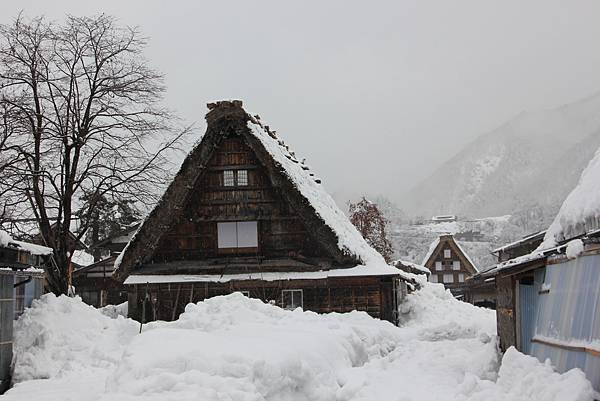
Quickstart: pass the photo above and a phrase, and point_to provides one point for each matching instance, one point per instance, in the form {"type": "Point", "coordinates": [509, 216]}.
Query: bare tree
{"type": "Point", "coordinates": [368, 219]}
{"type": "Point", "coordinates": [82, 116]}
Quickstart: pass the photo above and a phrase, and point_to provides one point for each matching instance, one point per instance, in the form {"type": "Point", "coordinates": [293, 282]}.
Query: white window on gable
{"type": "Point", "coordinates": [247, 232]}
{"type": "Point", "coordinates": [438, 266]}
{"type": "Point", "coordinates": [228, 179]}
{"type": "Point", "coordinates": [449, 278]}
{"type": "Point", "coordinates": [447, 253]}
{"type": "Point", "coordinates": [292, 299]}
{"type": "Point", "coordinates": [456, 265]}
{"type": "Point", "coordinates": [461, 277]}
{"type": "Point", "coordinates": [237, 234]}
{"type": "Point", "coordinates": [433, 278]}
{"type": "Point", "coordinates": [242, 178]}
{"type": "Point", "coordinates": [227, 235]}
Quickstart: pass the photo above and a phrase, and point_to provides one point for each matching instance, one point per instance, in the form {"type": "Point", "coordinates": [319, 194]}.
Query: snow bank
{"type": "Point", "coordinates": [59, 336]}
{"type": "Point", "coordinates": [434, 314]}
{"type": "Point", "coordinates": [236, 348]}
{"type": "Point", "coordinates": [114, 311]}
{"type": "Point", "coordinates": [524, 378]}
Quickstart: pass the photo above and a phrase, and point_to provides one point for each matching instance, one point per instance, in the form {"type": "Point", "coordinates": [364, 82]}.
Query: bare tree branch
{"type": "Point", "coordinates": [81, 118]}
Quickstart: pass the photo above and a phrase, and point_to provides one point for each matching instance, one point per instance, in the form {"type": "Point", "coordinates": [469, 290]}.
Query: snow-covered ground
{"type": "Point", "coordinates": [236, 348]}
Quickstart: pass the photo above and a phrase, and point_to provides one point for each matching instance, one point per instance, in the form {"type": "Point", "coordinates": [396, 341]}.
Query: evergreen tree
{"type": "Point", "coordinates": [109, 217]}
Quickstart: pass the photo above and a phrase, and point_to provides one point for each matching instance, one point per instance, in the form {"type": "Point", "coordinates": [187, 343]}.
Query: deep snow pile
{"type": "Point", "coordinates": [59, 336]}
{"type": "Point", "coordinates": [236, 348]}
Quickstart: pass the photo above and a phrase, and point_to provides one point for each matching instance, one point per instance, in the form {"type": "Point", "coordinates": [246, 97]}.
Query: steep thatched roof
{"type": "Point", "coordinates": [436, 246]}
{"type": "Point", "coordinates": [323, 219]}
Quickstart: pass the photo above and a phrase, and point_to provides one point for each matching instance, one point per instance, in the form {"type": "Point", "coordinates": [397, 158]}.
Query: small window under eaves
{"type": "Point", "coordinates": [228, 178]}
{"type": "Point", "coordinates": [242, 178]}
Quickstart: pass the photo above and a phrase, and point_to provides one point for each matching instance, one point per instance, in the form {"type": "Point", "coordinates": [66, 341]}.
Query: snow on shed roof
{"type": "Point", "coordinates": [414, 266]}
{"type": "Point", "coordinates": [580, 212]}
{"type": "Point", "coordinates": [34, 249]}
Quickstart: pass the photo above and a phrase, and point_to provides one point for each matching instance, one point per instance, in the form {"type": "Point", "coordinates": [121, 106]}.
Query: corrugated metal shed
{"type": "Point", "coordinates": [568, 317]}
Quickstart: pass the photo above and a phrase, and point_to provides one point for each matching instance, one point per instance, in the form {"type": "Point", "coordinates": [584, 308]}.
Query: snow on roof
{"type": "Point", "coordinates": [432, 247]}
{"type": "Point", "coordinates": [34, 249]}
{"type": "Point", "coordinates": [466, 255]}
{"type": "Point", "coordinates": [82, 258]}
{"type": "Point", "coordinates": [445, 217]}
{"type": "Point", "coordinates": [530, 257]}
{"type": "Point", "coordinates": [358, 271]}
{"type": "Point", "coordinates": [415, 266]}
{"type": "Point", "coordinates": [580, 212]}
{"type": "Point", "coordinates": [29, 272]}
{"type": "Point", "coordinates": [520, 241]}
{"type": "Point", "coordinates": [350, 241]}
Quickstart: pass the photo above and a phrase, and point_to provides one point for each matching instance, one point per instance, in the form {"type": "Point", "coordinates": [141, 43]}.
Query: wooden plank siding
{"type": "Point", "coordinates": [505, 311]}
{"type": "Point", "coordinates": [368, 294]}
{"type": "Point", "coordinates": [194, 235]}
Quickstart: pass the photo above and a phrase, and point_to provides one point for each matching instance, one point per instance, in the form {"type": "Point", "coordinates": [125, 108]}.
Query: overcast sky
{"type": "Point", "coordinates": [375, 95]}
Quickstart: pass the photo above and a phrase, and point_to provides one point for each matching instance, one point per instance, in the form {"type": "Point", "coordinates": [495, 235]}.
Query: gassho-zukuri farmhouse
{"type": "Point", "coordinates": [243, 214]}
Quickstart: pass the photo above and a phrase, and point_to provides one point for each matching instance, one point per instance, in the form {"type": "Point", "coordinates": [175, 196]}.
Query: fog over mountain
{"type": "Point", "coordinates": [530, 162]}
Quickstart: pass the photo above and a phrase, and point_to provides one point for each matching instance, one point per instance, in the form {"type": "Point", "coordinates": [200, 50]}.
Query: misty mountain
{"type": "Point", "coordinates": [525, 168]}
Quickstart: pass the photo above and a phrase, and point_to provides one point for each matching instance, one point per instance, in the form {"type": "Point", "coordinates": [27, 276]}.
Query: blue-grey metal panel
{"type": "Point", "coordinates": [570, 315]}
{"type": "Point", "coordinates": [527, 307]}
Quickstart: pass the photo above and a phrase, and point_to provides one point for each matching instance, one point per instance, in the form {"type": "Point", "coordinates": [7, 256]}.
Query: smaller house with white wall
{"type": "Point", "coordinates": [448, 263]}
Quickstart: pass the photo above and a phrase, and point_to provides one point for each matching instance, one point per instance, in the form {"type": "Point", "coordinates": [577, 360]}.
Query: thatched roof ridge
{"type": "Point", "coordinates": [299, 187]}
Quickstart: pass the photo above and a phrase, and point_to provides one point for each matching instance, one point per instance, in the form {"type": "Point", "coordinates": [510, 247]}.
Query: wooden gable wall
{"type": "Point", "coordinates": [438, 256]}
{"type": "Point", "coordinates": [281, 232]}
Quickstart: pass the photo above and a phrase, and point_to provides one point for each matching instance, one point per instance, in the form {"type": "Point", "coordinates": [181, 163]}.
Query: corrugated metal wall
{"type": "Point", "coordinates": [569, 314]}
{"type": "Point", "coordinates": [6, 328]}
